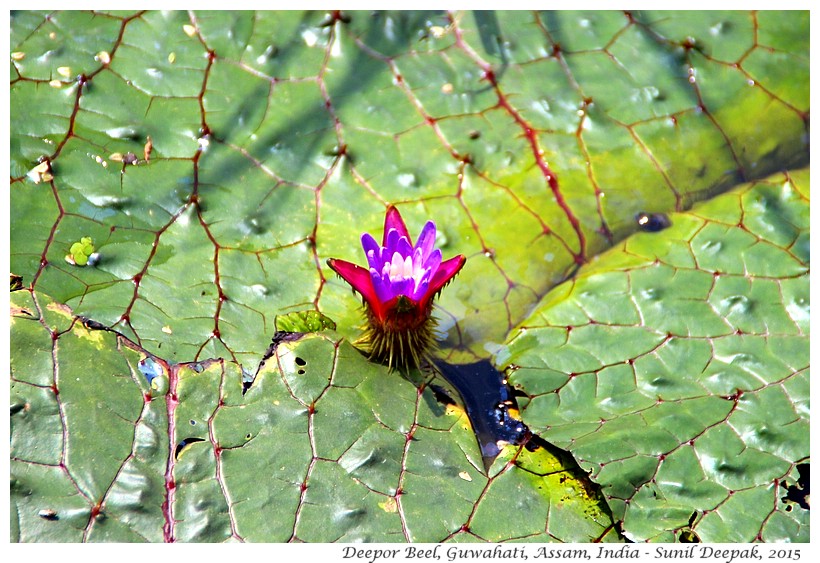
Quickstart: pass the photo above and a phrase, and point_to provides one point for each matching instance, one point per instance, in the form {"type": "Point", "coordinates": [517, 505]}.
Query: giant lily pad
{"type": "Point", "coordinates": [217, 159]}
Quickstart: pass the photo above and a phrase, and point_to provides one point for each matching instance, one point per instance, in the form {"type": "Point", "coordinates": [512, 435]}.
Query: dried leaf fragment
{"type": "Point", "coordinates": [149, 146]}
{"type": "Point", "coordinates": [41, 172]}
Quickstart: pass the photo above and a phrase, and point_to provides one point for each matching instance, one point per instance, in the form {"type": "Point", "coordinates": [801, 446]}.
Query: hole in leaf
{"type": "Point", "coordinates": [248, 377]}
{"type": "Point", "coordinates": [799, 492]}
{"type": "Point", "coordinates": [300, 361]}
{"type": "Point", "coordinates": [149, 368]}
{"type": "Point", "coordinates": [92, 324]}
{"type": "Point", "coordinates": [693, 518]}
{"type": "Point", "coordinates": [688, 536]}
{"type": "Point", "coordinates": [185, 443]}
{"type": "Point", "coordinates": [490, 405]}
{"type": "Point", "coordinates": [652, 222]}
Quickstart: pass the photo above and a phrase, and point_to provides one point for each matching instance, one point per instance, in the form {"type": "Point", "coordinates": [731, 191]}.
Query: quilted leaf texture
{"type": "Point", "coordinates": [215, 160]}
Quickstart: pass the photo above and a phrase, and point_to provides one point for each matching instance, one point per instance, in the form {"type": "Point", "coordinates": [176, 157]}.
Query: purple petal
{"type": "Point", "coordinates": [421, 289]}
{"type": "Point", "coordinates": [381, 286]}
{"type": "Point", "coordinates": [418, 261]}
{"type": "Point", "coordinates": [393, 220]}
{"type": "Point", "coordinates": [403, 247]}
{"type": "Point", "coordinates": [433, 262]}
{"type": "Point", "coordinates": [372, 251]}
{"type": "Point", "coordinates": [427, 238]}
{"type": "Point", "coordinates": [391, 241]}
{"type": "Point", "coordinates": [402, 287]}
{"type": "Point", "coordinates": [446, 271]}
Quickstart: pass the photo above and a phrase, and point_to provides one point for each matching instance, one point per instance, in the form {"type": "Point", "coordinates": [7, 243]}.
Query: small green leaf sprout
{"type": "Point", "coordinates": [83, 253]}
{"type": "Point", "coordinates": [303, 321]}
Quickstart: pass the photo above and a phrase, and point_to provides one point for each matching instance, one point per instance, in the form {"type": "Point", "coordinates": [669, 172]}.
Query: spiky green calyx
{"type": "Point", "coordinates": [404, 339]}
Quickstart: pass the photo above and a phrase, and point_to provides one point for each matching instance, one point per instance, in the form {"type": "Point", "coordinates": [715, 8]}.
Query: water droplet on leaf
{"type": "Point", "coordinates": [712, 246]}
{"type": "Point", "coordinates": [260, 289]}
{"type": "Point", "coordinates": [737, 303]}
{"type": "Point", "coordinates": [407, 180]}
{"type": "Point", "coordinates": [48, 514]}
{"type": "Point", "coordinates": [651, 294]}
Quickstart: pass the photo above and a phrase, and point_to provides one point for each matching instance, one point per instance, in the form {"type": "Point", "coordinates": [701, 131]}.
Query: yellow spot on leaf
{"type": "Point", "coordinates": [60, 309]}
{"type": "Point", "coordinates": [18, 56]}
{"type": "Point", "coordinates": [466, 476]}
{"type": "Point", "coordinates": [64, 71]}
{"type": "Point", "coordinates": [189, 30]}
{"type": "Point", "coordinates": [93, 336]}
{"type": "Point", "coordinates": [55, 83]}
{"type": "Point", "coordinates": [390, 506]}
{"type": "Point", "coordinates": [167, 330]}
{"type": "Point", "coordinates": [103, 57]}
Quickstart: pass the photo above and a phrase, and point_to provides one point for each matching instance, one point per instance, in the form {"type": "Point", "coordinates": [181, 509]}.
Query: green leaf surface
{"type": "Point", "coordinates": [319, 123]}
{"type": "Point", "coordinates": [691, 395]}
{"type": "Point", "coordinates": [217, 159]}
{"type": "Point", "coordinates": [321, 446]}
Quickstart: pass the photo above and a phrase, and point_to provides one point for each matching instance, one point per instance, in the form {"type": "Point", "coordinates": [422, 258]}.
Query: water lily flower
{"type": "Point", "coordinates": [398, 286]}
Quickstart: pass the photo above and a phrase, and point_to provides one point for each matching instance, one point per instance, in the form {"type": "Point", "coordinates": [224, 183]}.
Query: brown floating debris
{"type": "Point", "coordinates": [149, 146]}
{"type": "Point", "coordinates": [41, 172]}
